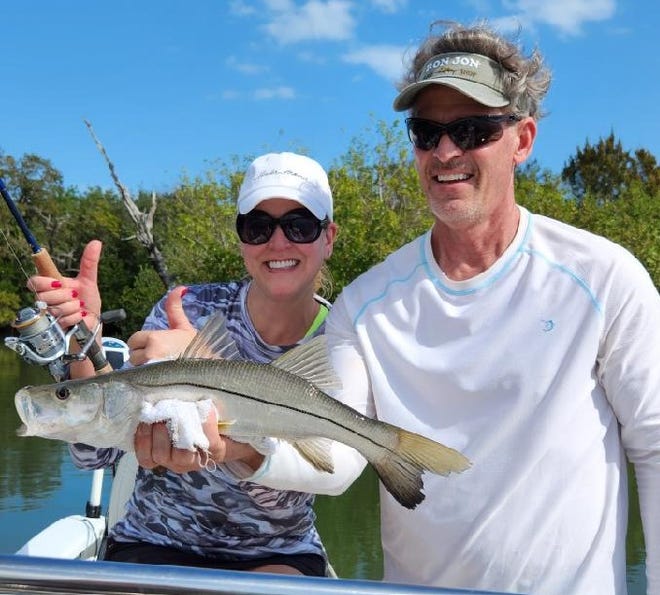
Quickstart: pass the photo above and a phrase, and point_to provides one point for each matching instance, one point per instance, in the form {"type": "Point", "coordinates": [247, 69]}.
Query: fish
{"type": "Point", "coordinates": [285, 399]}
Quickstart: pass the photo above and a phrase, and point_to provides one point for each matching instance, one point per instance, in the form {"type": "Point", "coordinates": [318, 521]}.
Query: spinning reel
{"type": "Point", "coordinates": [41, 340]}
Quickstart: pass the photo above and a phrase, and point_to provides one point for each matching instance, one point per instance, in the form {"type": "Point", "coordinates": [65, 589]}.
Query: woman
{"type": "Point", "coordinates": [180, 512]}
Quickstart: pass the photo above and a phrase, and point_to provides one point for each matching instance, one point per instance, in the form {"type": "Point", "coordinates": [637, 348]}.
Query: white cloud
{"type": "Point", "coordinates": [314, 20]}
{"type": "Point", "coordinates": [479, 6]}
{"type": "Point", "coordinates": [274, 93]}
{"type": "Point", "coordinates": [230, 94]}
{"type": "Point", "coordinates": [262, 94]}
{"type": "Point", "coordinates": [280, 5]}
{"type": "Point", "coordinates": [241, 8]}
{"type": "Point", "coordinates": [512, 24]}
{"type": "Point", "coordinates": [567, 15]}
{"type": "Point", "coordinates": [312, 57]}
{"type": "Point", "coordinates": [389, 6]}
{"type": "Point", "coordinates": [385, 60]}
{"type": "Point", "coordinates": [245, 67]}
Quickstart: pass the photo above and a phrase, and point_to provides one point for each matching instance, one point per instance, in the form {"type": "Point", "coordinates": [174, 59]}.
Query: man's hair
{"type": "Point", "coordinates": [526, 81]}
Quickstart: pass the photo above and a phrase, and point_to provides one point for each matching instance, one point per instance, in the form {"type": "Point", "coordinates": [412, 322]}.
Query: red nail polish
{"type": "Point", "coordinates": [83, 313]}
{"type": "Point", "coordinates": [82, 303]}
{"type": "Point", "coordinates": [56, 284]}
{"type": "Point", "coordinates": [184, 291]}
{"type": "Point", "coordinates": [74, 293]}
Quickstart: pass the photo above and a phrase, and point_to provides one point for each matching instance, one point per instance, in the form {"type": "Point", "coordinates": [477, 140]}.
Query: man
{"type": "Point", "coordinates": [529, 345]}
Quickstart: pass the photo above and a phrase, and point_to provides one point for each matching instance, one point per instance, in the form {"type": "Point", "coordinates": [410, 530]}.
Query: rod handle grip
{"type": "Point", "coordinates": [45, 265]}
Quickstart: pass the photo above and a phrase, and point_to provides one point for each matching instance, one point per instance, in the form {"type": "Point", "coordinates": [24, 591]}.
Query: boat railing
{"type": "Point", "coordinates": [27, 574]}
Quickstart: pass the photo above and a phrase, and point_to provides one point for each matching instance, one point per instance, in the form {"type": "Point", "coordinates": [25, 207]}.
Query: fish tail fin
{"type": "Point", "coordinates": [401, 469]}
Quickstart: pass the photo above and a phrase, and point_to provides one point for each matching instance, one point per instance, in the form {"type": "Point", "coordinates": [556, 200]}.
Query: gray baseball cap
{"type": "Point", "coordinates": [474, 75]}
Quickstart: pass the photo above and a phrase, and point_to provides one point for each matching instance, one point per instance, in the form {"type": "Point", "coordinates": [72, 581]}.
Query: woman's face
{"type": "Point", "coordinates": [283, 269]}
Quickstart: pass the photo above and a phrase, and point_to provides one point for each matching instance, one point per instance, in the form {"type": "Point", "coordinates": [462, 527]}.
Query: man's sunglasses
{"type": "Point", "coordinates": [299, 226]}
{"type": "Point", "coordinates": [465, 133]}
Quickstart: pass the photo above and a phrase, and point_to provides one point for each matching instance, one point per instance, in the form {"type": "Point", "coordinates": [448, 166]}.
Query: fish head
{"type": "Point", "coordinates": [88, 412]}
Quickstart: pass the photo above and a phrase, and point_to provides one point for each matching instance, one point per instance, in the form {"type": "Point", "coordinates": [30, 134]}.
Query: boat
{"type": "Point", "coordinates": [67, 555]}
{"type": "Point", "coordinates": [46, 575]}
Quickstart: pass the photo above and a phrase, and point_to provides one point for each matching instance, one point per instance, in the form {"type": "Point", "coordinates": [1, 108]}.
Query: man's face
{"type": "Point", "coordinates": [467, 187]}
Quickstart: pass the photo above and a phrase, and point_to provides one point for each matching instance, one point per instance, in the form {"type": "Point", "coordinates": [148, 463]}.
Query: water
{"type": "Point", "coordinates": [38, 485]}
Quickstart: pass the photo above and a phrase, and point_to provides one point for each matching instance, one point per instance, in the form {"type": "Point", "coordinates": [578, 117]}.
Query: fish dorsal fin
{"type": "Point", "coordinates": [310, 361]}
{"type": "Point", "coordinates": [213, 341]}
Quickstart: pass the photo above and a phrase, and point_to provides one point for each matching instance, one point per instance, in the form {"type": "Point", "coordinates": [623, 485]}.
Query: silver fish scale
{"type": "Point", "coordinates": [261, 399]}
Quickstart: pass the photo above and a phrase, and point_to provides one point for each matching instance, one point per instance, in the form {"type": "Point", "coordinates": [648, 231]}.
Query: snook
{"type": "Point", "coordinates": [282, 400]}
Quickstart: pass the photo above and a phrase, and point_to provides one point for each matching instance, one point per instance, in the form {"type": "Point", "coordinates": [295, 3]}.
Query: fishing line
{"type": "Point", "coordinates": [17, 258]}
{"type": "Point", "coordinates": [27, 275]}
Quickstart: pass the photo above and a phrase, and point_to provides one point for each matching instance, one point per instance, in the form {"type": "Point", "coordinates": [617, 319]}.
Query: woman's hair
{"type": "Point", "coordinates": [526, 81]}
{"type": "Point", "coordinates": [323, 283]}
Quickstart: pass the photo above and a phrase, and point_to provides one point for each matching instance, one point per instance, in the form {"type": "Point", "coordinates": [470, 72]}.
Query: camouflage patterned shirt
{"type": "Point", "coordinates": [213, 513]}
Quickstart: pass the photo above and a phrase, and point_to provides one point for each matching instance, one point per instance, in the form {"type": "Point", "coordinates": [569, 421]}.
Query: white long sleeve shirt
{"type": "Point", "coordinates": [545, 372]}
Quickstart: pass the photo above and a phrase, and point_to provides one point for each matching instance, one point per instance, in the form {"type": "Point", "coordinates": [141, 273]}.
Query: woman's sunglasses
{"type": "Point", "coordinates": [465, 133]}
{"type": "Point", "coordinates": [299, 226]}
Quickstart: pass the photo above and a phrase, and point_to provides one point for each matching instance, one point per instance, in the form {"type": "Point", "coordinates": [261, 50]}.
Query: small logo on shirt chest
{"type": "Point", "coordinates": [547, 325]}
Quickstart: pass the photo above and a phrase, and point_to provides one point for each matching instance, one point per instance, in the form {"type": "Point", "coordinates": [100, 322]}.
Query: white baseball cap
{"type": "Point", "coordinates": [286, 175]}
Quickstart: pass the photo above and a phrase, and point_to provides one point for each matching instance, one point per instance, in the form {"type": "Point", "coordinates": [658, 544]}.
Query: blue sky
{"type": "Point", "coordinates": [172, 86]}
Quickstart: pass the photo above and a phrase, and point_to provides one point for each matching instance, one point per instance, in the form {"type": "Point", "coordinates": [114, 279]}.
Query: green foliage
{"type": "Point", "coordinates": [198, 217]}
{"type": "Point", "coordinates": [10, 303]}
{"type": "Point", "coordinates": [378, 204]}
{"type": "Point", "coordinates": [138, 298]}
{"type": "Point", "coordinates": [607, 172]}
{"type": "Point", "coordinates": [632, 221]}
{"type": "Point", "coordinates": [541, 192]}
{"type": "Point", "coordinates": [378, 207]}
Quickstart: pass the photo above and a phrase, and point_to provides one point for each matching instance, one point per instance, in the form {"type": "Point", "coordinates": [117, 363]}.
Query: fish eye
{"type": "Point", "coordinates": [62, 393]}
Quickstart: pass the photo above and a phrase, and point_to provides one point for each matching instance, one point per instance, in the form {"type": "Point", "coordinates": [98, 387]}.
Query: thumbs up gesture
{"type": "Point", "coordinates": [70, 299]}
{"type": "Point", "coordinates": [164, 344]}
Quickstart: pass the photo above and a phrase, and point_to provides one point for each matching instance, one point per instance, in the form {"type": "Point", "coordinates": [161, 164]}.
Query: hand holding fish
{"type": "Point", "coordinates": [164, 344]}
{"type": "Point", "coordinates": [153, 448]}
{"type": "Point", "coordinates": [72, 299]}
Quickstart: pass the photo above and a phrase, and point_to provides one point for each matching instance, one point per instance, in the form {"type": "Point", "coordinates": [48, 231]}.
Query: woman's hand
{"type": "Point", "coordinates": [153, 448]}
{"type": "Point", "coordinates": [71, 300]}
{"type": "Point", "coordinates": [164, 344]}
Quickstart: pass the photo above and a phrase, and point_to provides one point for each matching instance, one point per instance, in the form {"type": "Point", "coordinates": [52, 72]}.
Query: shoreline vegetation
{"type": "Point", "coordinates": [154, 241]}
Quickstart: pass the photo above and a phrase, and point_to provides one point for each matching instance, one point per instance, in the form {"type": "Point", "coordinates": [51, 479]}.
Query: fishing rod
{"type": "Point", "coordinates": [40, 339]}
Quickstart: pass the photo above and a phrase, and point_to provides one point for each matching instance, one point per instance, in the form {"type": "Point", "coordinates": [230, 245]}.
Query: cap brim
{"type": "Point", "coordinates": [478, 91]}
{"type": "Point", "coordinates": [270, 192]}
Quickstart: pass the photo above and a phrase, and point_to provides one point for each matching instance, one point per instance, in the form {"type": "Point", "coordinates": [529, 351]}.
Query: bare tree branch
{"type": "Point", "coordinates": [144, 222]}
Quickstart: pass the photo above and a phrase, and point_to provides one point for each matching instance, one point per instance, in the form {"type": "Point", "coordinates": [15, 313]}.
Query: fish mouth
{"type": "Point", "coordinates": [22, 431]}
{"type": "Point", "coordinates": [25, 410]}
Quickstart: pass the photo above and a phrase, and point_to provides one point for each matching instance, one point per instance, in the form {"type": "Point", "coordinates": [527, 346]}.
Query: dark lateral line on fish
{"type": "Point", "coordinates": [303, 411]}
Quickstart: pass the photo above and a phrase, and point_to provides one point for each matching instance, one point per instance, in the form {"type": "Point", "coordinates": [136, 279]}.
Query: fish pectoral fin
{"type": "Point", "coordinates": [316, 451]}
{"type": "Point", "coordinates": [223, 426]}
{"type": "Point", "coordinates": [310, 361]}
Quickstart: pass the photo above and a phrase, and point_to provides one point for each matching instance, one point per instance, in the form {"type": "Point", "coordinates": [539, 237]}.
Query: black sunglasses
{"type": "Point", "coordinates": [299, 226]}
{"type": "Point", "coordinates": [465, 133]}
